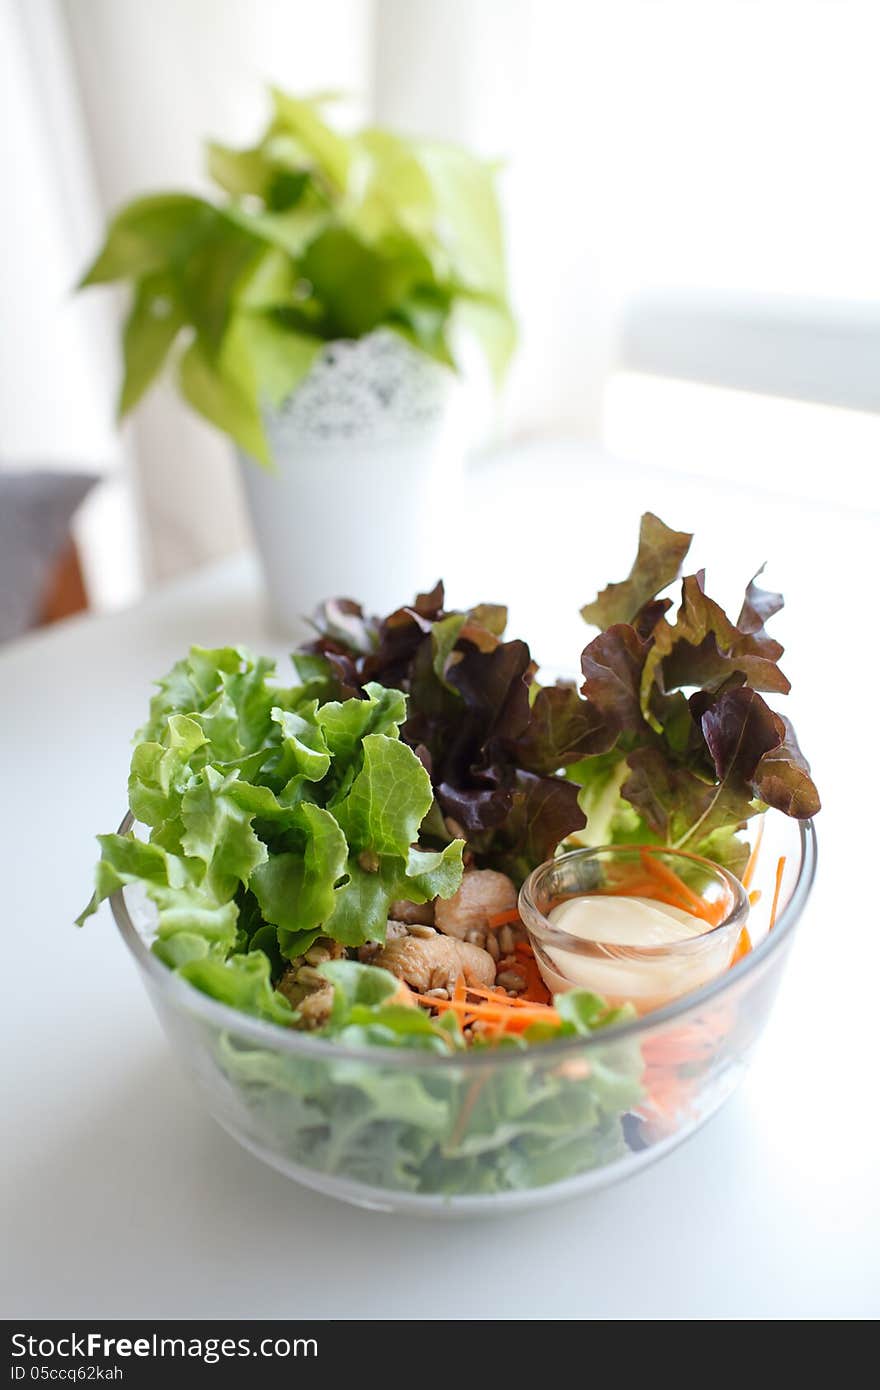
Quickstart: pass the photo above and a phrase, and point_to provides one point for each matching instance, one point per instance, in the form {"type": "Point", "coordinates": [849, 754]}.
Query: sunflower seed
{"type": "Point", "coordinates": [318, 955]}
{"type": "Point", "coordinates": [307, 976]}
{"type": "Point", "coordinates": [512, 981]}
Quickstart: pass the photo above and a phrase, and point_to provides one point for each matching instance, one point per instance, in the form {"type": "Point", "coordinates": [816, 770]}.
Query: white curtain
{"type": "Point", "coordinates": [156, 79]}
{"type": "Point", "coordinates": [103, 100]}
{"type": "Point", "coordinates": [643, 144]}
{"type": "Point", "coordinates": [57, 353]}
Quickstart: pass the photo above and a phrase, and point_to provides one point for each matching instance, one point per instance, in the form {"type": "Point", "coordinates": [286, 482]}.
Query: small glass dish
{"type": "Point", "coordinates": [689, 892]}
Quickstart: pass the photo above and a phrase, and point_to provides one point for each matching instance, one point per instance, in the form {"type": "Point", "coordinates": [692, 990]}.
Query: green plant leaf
{"type": "Point", "coordinates": [783, 778]}
{"type": "Point", "coordinates": [161, 772]}
{"type": "Point", "coordinates": [222, 400]}
{"type": "Point", "coordinates": [466, 198]}
{"type": "Point", "coordinates": [239, 172]}
{"type": "Point", "coordinates": [243, 982]}
{"type": "Point", "coordinates": [290, 231]}
{"type": "Point", "coordinates": [658, 562]}
{"type": "Point", "coordinates": [388, 799]}
{"type": "Point", "coordinates": [397, 192]}
{"type": "Point", "coordinates": [434, 873]}
{"type": "Point", "coordinates": [346, 723]}
{"type": "Point", "coordinates": [208, 280]}
{"type": "Point", "coordinates": [583, 1010]}
{"type": "Point", "coordinates": [423, 319]}
{"type": "Point", "coordinates": [296, 888]}
{"type": "Point", "coordinates": [360, 912]}
{"type": "Point", "coordinates": [356, 984]}
{"type": "Point", "coordinates": [149, 235]}
{"type": "Point", "coordinates": [275, 359]}
{"type": "Point", "coordinates": [359, 285]}
{"type": "Point", "coordinates": [681, 808]}
{"type": "Point", "coordinates": [125, 859]}
{"type": "Point", "coordinates": [493, 326]}
{"type": "Point", "coordinates": [150, 329]}
{"type": "Point", "coordinates": [322, 236]}
{"type": "Point", "coordinates": [704, 648]}
{"type": "Point", "coordinates": [330, 152]}
{"type": "Point", "coordinates": [562, 728]}
{"type": "Point", "coordinates": [219, 833]}
{"type": "Point", "coordinates": [304, 750]}
{"type": "Point", "coordinates": [610, 819]}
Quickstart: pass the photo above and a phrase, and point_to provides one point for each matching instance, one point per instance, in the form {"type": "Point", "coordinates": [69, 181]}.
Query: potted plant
{"type": "Point", "coordinates": [317, 313]}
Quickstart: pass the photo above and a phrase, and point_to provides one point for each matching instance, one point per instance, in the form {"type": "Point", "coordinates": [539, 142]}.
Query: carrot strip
{"type": "Point", "coordinates": [466, 1110]}
{"type": "Point", "coordinates": [507, 1001]}
{"type": "Point", "coordinates": [780, 870]}
{"type": "Point", "coordinates": [692, 902]}
{"type": "Point", "coordinates": [753, 857]}
{"type": "Point", "coordinates": [755, 897]}
{"type": "Point", "coordinates": [536, 991]}
{"type": "Point", "coordinates": [500, 1011]}
{"type": "Point", "coordinates": [503, 919]}
{"type": "Point", "coordinates": [742, 948]}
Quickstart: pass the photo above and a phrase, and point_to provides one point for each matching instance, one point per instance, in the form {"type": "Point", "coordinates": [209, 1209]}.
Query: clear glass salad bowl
{"type": "Point", "coordinates": [491, 1130]}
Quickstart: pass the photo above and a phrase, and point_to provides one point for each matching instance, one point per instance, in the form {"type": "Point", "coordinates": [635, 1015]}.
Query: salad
{"type": "Point", "coordinates": [341, 854]}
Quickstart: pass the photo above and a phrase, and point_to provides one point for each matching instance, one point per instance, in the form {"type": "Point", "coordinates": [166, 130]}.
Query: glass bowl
{"type": "Point", "coordinates": [687, 891]}
{"type": "Point", "coordinates": [490, 1131]}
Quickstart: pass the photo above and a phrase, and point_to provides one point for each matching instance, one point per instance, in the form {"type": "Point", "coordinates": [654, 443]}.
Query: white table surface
{"type": "Point", "coordinates": [119, 1197]}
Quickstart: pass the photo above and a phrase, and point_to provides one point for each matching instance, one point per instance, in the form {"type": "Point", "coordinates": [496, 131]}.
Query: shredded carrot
{"type": "Point", "coordinates": [690, 900]}
{"type": "Point", "coordinates": [780, 870]}
{"type": "Point", "coordinates": [648, 888]}
{"type": "Point", "coordinates": [511, 1014]}
{"type": "Point", "coordinates": [753, 857]}
{"type": "Point", "coordinates": [755, 897]}
{"type": "Point", "coordinates": [743, 946]}
{"type": "Point", "coordinates": [693, 1048]}
{"type": "Point", "coordinates": [503, 919]}
{"type": "Point", "coordinates": [466, 1110]}
{"type": "Point", "coordinates": [513, 1001]}
{"type": "Point", "coordinates": [460, 992]}
{"type": "Point", "coordinates": [536, 991]}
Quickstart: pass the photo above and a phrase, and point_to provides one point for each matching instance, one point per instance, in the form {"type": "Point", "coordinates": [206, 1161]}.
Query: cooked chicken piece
{"type": "Point", "coordinates": [484, 893]}
{"type": "Point", "coordinates": [314, 1010]}
{"type": "Point", "coordinates": [414, 914]}
{"type": "Point", "coordinates": [289, 986]}
{"type": "Point", "coordinates": [393, 931]}
{"type": "Point", "coordinates": [435, 962]}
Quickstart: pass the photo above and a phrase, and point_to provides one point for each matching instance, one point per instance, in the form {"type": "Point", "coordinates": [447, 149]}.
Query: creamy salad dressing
{"type": "Point", "coordinates": [617, 925]}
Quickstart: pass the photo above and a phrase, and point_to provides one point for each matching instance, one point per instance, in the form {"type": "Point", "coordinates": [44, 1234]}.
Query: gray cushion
{"type": "Point", "coordinates": [36, 509]}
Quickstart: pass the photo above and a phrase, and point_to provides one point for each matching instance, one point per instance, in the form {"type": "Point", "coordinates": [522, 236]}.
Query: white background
{"type": "Point", "coordinates": [705, 147]}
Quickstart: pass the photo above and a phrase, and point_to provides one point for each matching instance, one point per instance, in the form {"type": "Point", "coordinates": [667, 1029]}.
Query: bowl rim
{"type": "Point", "coordinates": [276, 1037]}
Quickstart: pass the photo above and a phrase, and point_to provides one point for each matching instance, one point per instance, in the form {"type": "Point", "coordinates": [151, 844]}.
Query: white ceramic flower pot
{"type": "Point", "coordinates": [368, 453]}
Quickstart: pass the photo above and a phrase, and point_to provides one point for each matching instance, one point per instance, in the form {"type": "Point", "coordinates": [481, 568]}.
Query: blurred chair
{"type": "Point", "coordinates": [40, 575]}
